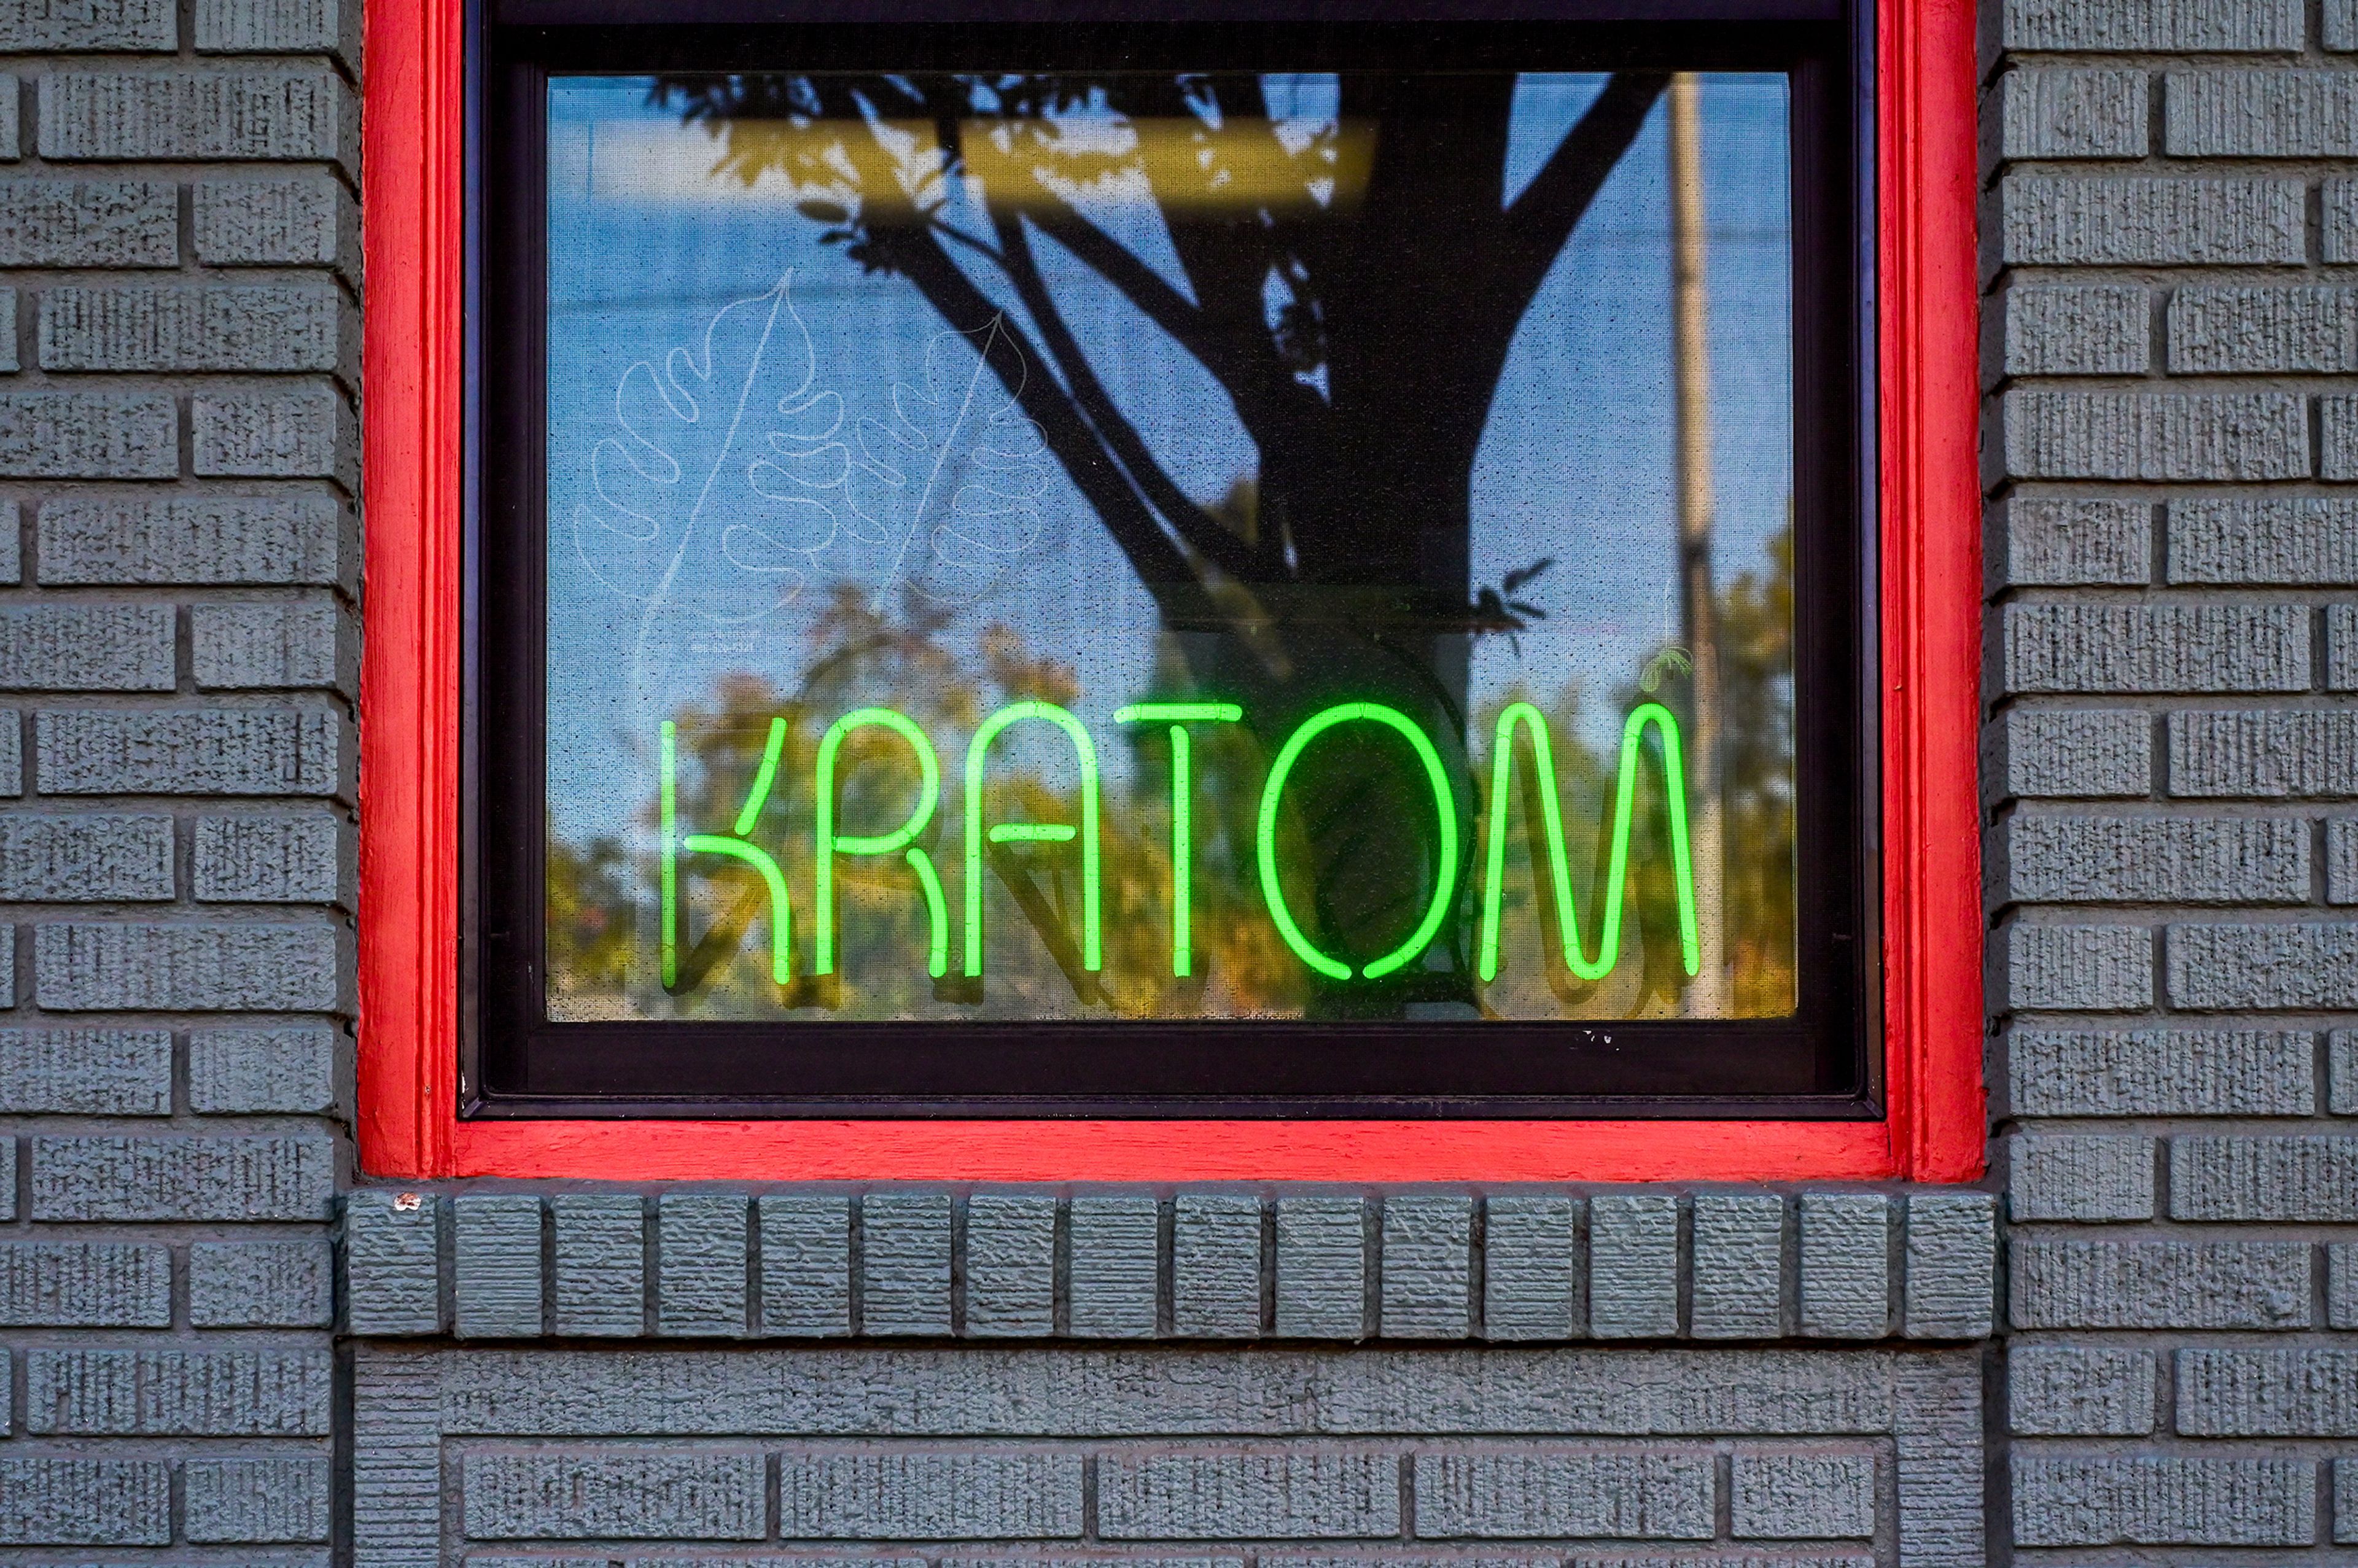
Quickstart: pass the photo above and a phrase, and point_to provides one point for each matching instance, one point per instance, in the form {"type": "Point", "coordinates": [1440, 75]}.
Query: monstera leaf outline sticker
{"type": "Point", "coordinates": [952, 483]}
{"type": "Point", "coordinates": [714, 499]}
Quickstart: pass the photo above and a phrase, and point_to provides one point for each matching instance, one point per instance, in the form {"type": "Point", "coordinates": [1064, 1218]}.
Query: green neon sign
{"type": "Point", "coordinates": [736, 845]}
{"type": "Point", "coordinates": [830, 843]}
{"type": "Point", "coordinates": [1179, 715]}
{"type": "Point", "coordinates": [1608, 939]}
{"type": "Point", "coordinates": [1445, 802]}
{"type": "Point", "coordinates": [1092, 944]}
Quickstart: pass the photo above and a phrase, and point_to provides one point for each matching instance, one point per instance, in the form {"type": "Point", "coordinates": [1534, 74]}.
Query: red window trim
{"type": "Point", "coordinates": [1931, 556]}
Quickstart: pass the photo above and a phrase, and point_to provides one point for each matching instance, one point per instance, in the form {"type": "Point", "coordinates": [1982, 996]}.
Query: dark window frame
{"type": "Point", "coordinates": [1825, 1063]}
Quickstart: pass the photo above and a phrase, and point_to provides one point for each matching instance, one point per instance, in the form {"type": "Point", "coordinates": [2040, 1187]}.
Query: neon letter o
{"type": "Point", "coordinates": [1445, 802]}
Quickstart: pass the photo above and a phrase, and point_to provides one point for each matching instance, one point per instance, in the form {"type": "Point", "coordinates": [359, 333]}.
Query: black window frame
{"type": "Point", "coordinates": [1824, 1063]}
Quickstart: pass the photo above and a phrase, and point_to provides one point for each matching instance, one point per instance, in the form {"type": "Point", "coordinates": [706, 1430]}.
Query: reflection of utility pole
{"type": "Point", "coordinates": [1706, 995]}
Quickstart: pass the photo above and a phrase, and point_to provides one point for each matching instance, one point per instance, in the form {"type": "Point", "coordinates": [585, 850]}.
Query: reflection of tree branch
{"type": "Point", "coordinates": [1542, 218]}
{"type": "Point", "coordinates": [1048, 922]}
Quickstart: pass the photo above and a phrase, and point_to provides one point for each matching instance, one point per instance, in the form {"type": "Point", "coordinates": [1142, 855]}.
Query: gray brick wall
{"type": "Point", "coordinates": [179, 577]}
{"type": "Point", "coordinates": [2170, 741]}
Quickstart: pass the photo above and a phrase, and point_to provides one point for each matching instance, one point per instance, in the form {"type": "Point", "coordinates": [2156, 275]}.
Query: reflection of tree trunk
{"type": "Point", "coordinates": [1706, 995]}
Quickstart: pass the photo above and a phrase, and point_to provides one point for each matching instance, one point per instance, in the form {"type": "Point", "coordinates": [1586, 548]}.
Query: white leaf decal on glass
{"type": "Point", "coordinates": [951, 486]}
{"type": "Point", "coordinates": [716, 493]}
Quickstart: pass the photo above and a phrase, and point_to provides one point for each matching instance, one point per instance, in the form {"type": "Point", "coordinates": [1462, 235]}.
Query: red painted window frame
{"type": "Point", "coordinates": [1930, 561]}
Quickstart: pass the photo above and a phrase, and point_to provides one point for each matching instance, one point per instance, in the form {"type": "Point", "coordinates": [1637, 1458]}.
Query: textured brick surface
{"type": "Point", "coordinates": [707, 1496]}
{"type": "Point", "coordinates": [2155, 435]}
{"type": "Point", "coordinates": [599, 1241]}
{"type": "Point", "coordinates": [2277, 113]}
{"type": "Point", "coordinates": [2063, 221]}
{"type": "Point", "coordinates": [1530, 1266]}
{"type": "Point", "coordinates": [256, 1500]}
{"type": "Point", "coordinates": [2106, 647]}
{"type": "Point", "coordinates": [277, 646]}
{"type": "Point", "coordinates": [805, 1263]}
{"type": "Point", "coordinates": [2078, 968]}
{"type": "Point", "coordinates": [2090, 1177]}
{"type": "Point", "coordinates": [1216, 1251]}
{"type": "Point", "coordinates": [159, 326]}
{"type": "Point", "coordinates": [272, 859]}
{"type": "Point", "coordinates": [261, 1284]}
{"type": "Point", "coordinates": [97, 1176]}
{"type": "Point", "coordinates": [700, 1239]}
{"type": "Point", "coordinates": [278, 27]}
{"type": "Point", "coordinates": [246, 750]}
{"type": "Point", "coordinates": [258, 540]}
{"type": "Point", "coordinates": [85, 1284]}
{"type": "Point", "coordinates": [2059, 541]}
{"type": "Point", "coordinates": [2055, 859]}
{"type": "Point", "coordinates": [87, 1072]}
{"type": "Point", "coordinates": [1011, 1264]}
{"type": "Point", "coordinates": [1633, 1262]}
{"type": "Point", "coordinates": [190, 968]}
{"type": "Point", "coordinates": [2078, 331]}
{"type": "Point", "coordinates": [1428, 1267]}
{"type": "Point", "coordinates": [2243, 1178]}
{"type": "Point", "coordinates": [907, 1494]}
{"type": "Point", "coordinates": [2262, 753]}
{"type": "Point", "coordinates": [391, 1243]}
{"type": "Point", "coordinates": [2057, 114]}
{"type": "Point", "coordinates": [2240, 1392]}
{"type": "Point", "coordinates": [308, 222]}
{"type": "Point", "coordinates": [177, 1393]}
{"type": "Point", "coordinates": [2060, 1391]}
{"type": "Point", "coordinates": [1738, 1257]}
{"type": "Point", "coordinates": [234, 1070]}
{"type": "Point", "coordinates": [69, 1500]}
{"type": "Point", "coordinates": [1845, 1290]}
{"type": "Point", "coordinates": [906, 1262]}
{"type": "Point", "coordinates": [2066, 1283]}
{"type": "Point", "coordinates": [2220, 968]}
{"type": "Point", "coordinates": [1949, 1289]}
{"type": "Point", "coordinates": [102, 857]}
{"type": "Point", "coordinates": [88, 435]}
{"type": "Point", "coordinates": [1322, 1269]}
{"type": "Point", "coordinates": [1787, 1496]}
{"type": "Point", "coordinates": [2157, 1072]}
{"type": "Point", "coordinates": [1115, 1245]}
{"type": "Point", "coordinates": [2263, 541]}
{"type": "Point", "coordinates": [495, 1262]}
{"type": "Point", "coordinates": [2204, 25]}
{"type": "Point", "coordinates": [300, 431]}
{"type": "Point", "coordinates": [93, 222]}
{"type": "Point", "coordinates": [2144, 1500]}
{"type": "Point", "coordinates": [30, 26]}
{"type": "Point", "coordinates": [230, 116]}
{"type": "Point", "coordinates": [1521, 1493]}
{"type": "Point", "coordinates": [2058, 752]}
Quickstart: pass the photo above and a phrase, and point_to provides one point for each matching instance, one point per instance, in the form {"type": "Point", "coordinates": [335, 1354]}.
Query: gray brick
{"type": "Point", "coordinates": [179, 1393]}
{"type": "Point", "coordinates": [1321, 1266]}
{"type": "Point", "coordinates": [85, 1284]}
{"type": "Point", "coordinates": [8, 356]}
{"type": "Point", "coordinates": [301, 431]}
{"type": "Point", "coordinates": [183, 1177]}
{"type": "Point", "coordinates": [12, 752]}
{"type": "Point", "coordinates": [2154, 437]}
{"type": "Point", "coordinates": [2342, 24]}
{"type": "Point", "coordinates": [12, 513]}
{"type": "Point", "coordinates": [232, 1071]}
{"type": "Point", "coordinates": [291, 858]}
{"type": "Point", "coordinates": [88, 435]}
{"type": "Point", "coordinates": [72, 1501]}
{"type": "Point", "coordinates": [292, 326]}
{"type": "Point", "coordinates": [86, 647]}
{"type": "Point", "coordinates": [10, 116]}
{"type": "Point", "coordinates": [242, 540]}
{"type": "Point", "coordinates": [1216, 1265]}
{"type": "Point", "coordinates": [2345, 1501]}
{"type": "Point", "coordinates": [2311, 1178]}
{"type": "Point", "coordinates": [2275, 754]}
{"type": "Point", "coordinates": [700, 1252]}
{"type": "Point", "coordinates": [2155, 860]}
{"type": "Point", "coordinates": [261, 1284]}
{"type": "Point", "coordinates": [310, 221]}
{"type": "Point", "coordinates": [2248, 114]}
{"type": "Point", "coordinates": [188, 969]}
{"type": "Point", "coordinates": [2265, 541]}
{"type": "Point", "coordinates": [2054, 753]}
{"type": "Point", "coordinates": [1427, 1279]}
{"type": "Point", "coordinates": [124, 27]}
{"type": "Point", "coordinates": [392, 1282]}
{"type": "Point", "coordinates": [2225, 1392]}
{"type": "Point", "coordinates": [279, 27]}
{"type": "Point", "coordinates": [273, 1499]}
{"type": "Point", "coordinates": [1293, 1494]}
{"type": "Point", "coordinates": [601, 1260]}
{"type": "Point", "coordinates": [2159, 1284]}
{"type": "Point", "coordinates": [2056, 114]}
{"type": "Point", "coordinates": [1010, 1265]}
{"type": "Point", "coordinates": [1802, 1497]}
{"type": "Point", "coordinates": [496, 1260]}
{"type": "Point", "coordinates": [1530, 1266]}
{"type": "Point", "coordinates": [2078, 968]}
{"type": "Point", "coordinates": [99, 858]}
{"type": "Point", "coordinates": [2236, 330]}
{"type": "Point", "coordinates": [7, 1211]}
{"type": "Point", "coordinates": [1951, 1246]}
{"type": "Point", "coordinates": [2088, 1177]}
{"type": "Point", "coordinates": [2342, 1285]}
{"type": "Point", "coordinates": [2341, 242]}
{"type": "Point", "coordinates": [89, 223]}
{"type": "Point", "coordinates": [86, 1072]}
{"type": "Point", "coordinates": [199, 116]}
{"type": "Point", "coordinates": [1522, 1495]}
{"type": "Point", "coordinates": [1633, 1265]}
{"type": "Point", "coordinates": [904, 1272]}
{"type": "Point", "coordinates": [238, 751]}
{"type": "Point", "coordinates": [2068, 1500]}
{"type": "Point", "coordinates": [2060, 1390]}
{"type": "Point", "coordinates": [1739, 1266]}
{"type": "Point", "coordinates": [2062, 220]}
{"type": "Point", "coordinates": [2307, 967]}
{"type": "Point", "coordinates": [2116, 647]}
{"type": "Point", "coordinates": [805, 1263]}
{"type": "Point", "coordinates": [2065, 541]}
{"type": "Point", "coordinates": [2205, 26]}
{"type": "Point", "coordinates": [2341, 1050]}
{"type": "Point", "coordinates": [1114, 1248]}
{"type": "Point", "coordinates": [1845, 1290]}
{"type": "Point", "coordinates": [2104, 329]}
{"type": "Point", "coordinates": [2341, 647]}
{"type": "Point", "coordinates": [704, 1495]}
{"type": "Point", "coordinates": [2337, 426]}
{"type": "Point", "coordinates": [914, 1495]}
{"type": "Point", "coordinates": [278, 646]}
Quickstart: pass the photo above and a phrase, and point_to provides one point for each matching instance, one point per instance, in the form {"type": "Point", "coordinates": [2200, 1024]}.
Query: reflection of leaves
{"type": "Point", "coordinates": [711, 495]}
{"type": "Point", "coordinates": [953, 482]}
{"type": "Point", "coordinates": [1496, 610]}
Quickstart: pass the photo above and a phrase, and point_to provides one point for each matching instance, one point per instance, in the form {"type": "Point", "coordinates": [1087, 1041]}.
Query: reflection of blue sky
{"type": "Point", "coordinates": [1576, 463]}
